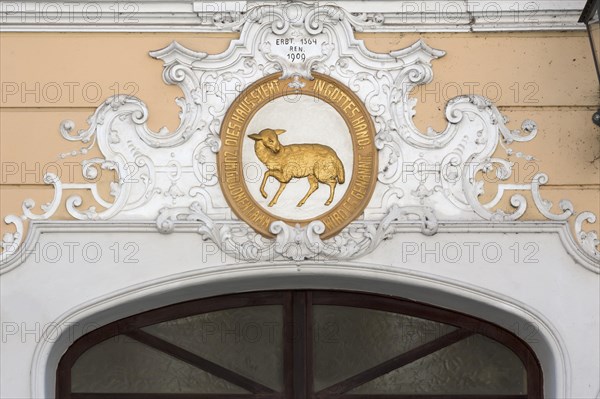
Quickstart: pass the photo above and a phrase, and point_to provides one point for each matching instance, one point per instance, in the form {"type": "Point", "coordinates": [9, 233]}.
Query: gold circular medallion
{"type": "Point", "coordinates": [297, 151]}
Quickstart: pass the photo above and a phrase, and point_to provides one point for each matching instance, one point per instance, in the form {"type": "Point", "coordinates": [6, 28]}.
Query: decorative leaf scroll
{"type": "Point", "coordinates": [171, 177]}
{"type": "Point", "coordinates": [295, 242]}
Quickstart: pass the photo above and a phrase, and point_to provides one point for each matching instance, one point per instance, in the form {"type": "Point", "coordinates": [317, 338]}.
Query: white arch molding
{"type": "Point", "coordinates": [188, 244]}
{"type": "Point", "coordinates": [494, 307]}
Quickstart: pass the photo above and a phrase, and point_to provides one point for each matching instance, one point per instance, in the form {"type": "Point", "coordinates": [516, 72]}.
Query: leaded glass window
{"type": "Point", "coordinates": [299, 344]}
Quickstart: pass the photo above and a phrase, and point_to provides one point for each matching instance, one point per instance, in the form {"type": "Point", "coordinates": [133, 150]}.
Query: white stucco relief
{"type": "Point", "coordinates": [426, 180]}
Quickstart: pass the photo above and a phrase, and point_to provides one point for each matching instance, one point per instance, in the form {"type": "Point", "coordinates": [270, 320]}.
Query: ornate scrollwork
{"type": "Point", "coordinates": [296, 243]}
{"type": "Point", "coordinates": [173, 174]}
{"type": "Point", "coordinates": [588, 240]}
{"type": "Point", "coordinates": [12, 241]}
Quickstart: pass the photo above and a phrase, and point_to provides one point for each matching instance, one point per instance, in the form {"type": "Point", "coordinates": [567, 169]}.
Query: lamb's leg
{"type": "Point", "coordinates": [279, 191]}
{"type": "Point", "coordinates": [331, 185]}
{"type": "Point", "coordinates": [264, 182]}
{"type": "Point", "coordinates": [314, 184]}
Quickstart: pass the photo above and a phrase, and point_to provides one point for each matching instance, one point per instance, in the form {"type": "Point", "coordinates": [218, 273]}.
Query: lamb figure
{"type": "Point", "coordinates": [318, 163]}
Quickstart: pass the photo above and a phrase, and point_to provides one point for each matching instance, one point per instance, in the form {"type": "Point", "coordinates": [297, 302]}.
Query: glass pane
{"type": "Point", "coordinates": [123, 365]}
{"type": "Point", "coordinates": [350, 340]}
{"type": "Point", "coordinates": [475, 366]}
{"type": "Point", "coordinates": [248, 341]}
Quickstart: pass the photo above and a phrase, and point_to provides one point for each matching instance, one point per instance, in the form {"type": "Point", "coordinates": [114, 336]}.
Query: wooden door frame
{"type": "Point", "coordinates": [297, 339]}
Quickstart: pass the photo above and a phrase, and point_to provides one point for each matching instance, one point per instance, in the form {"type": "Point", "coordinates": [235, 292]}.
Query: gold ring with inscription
{"type": "Point", "coordinates": [233, 133]}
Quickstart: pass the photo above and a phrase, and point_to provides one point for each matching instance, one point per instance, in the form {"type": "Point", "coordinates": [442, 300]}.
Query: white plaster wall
{"type": "Point", "coordinates": [539, 292]}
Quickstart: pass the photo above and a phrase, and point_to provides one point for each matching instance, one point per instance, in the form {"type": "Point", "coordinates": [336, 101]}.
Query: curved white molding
{"type": "Point", "coordinates": [218, 16]}
{"type": "Point", "coordinates": [378, 279]}
{"type": "Point", "coordinates": [392, 227]}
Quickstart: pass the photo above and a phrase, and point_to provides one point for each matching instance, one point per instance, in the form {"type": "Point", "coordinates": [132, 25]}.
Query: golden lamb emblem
{"type": "Point", "coordinates": [311, 163]}
{"type": "Point", "coordinates": [317, 162]}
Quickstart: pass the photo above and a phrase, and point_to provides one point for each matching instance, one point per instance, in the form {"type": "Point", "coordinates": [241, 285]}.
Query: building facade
{"type": "Point", "coordinates": [351, 199]}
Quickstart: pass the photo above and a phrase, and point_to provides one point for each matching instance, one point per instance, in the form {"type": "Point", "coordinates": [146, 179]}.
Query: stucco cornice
{"type": "Point", "coordinates": [213, 16]}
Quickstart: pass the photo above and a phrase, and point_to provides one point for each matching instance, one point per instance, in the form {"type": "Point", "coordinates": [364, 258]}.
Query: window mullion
{"type": "Point", "coordinates": [300, 344]}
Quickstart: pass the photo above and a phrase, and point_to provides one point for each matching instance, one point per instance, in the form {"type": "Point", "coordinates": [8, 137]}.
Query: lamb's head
{"type": "Point", "coordinates": [269, 138]}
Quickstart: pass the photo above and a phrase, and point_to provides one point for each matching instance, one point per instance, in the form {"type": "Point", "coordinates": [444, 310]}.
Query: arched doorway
{"type": "Point", "coordinates": [299, 344]}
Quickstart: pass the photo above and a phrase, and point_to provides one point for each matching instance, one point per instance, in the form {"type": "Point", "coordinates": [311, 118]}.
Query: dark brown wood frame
{"type": "Point", "coordinates": [297, 360]}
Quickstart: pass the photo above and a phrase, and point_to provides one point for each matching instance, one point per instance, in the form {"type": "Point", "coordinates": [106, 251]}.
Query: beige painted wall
{"type": "Point", "coordinates": [547, 77]}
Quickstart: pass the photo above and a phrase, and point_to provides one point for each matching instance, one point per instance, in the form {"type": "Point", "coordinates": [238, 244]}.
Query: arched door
{"type": "Point", "coordinates": [299, 344]}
